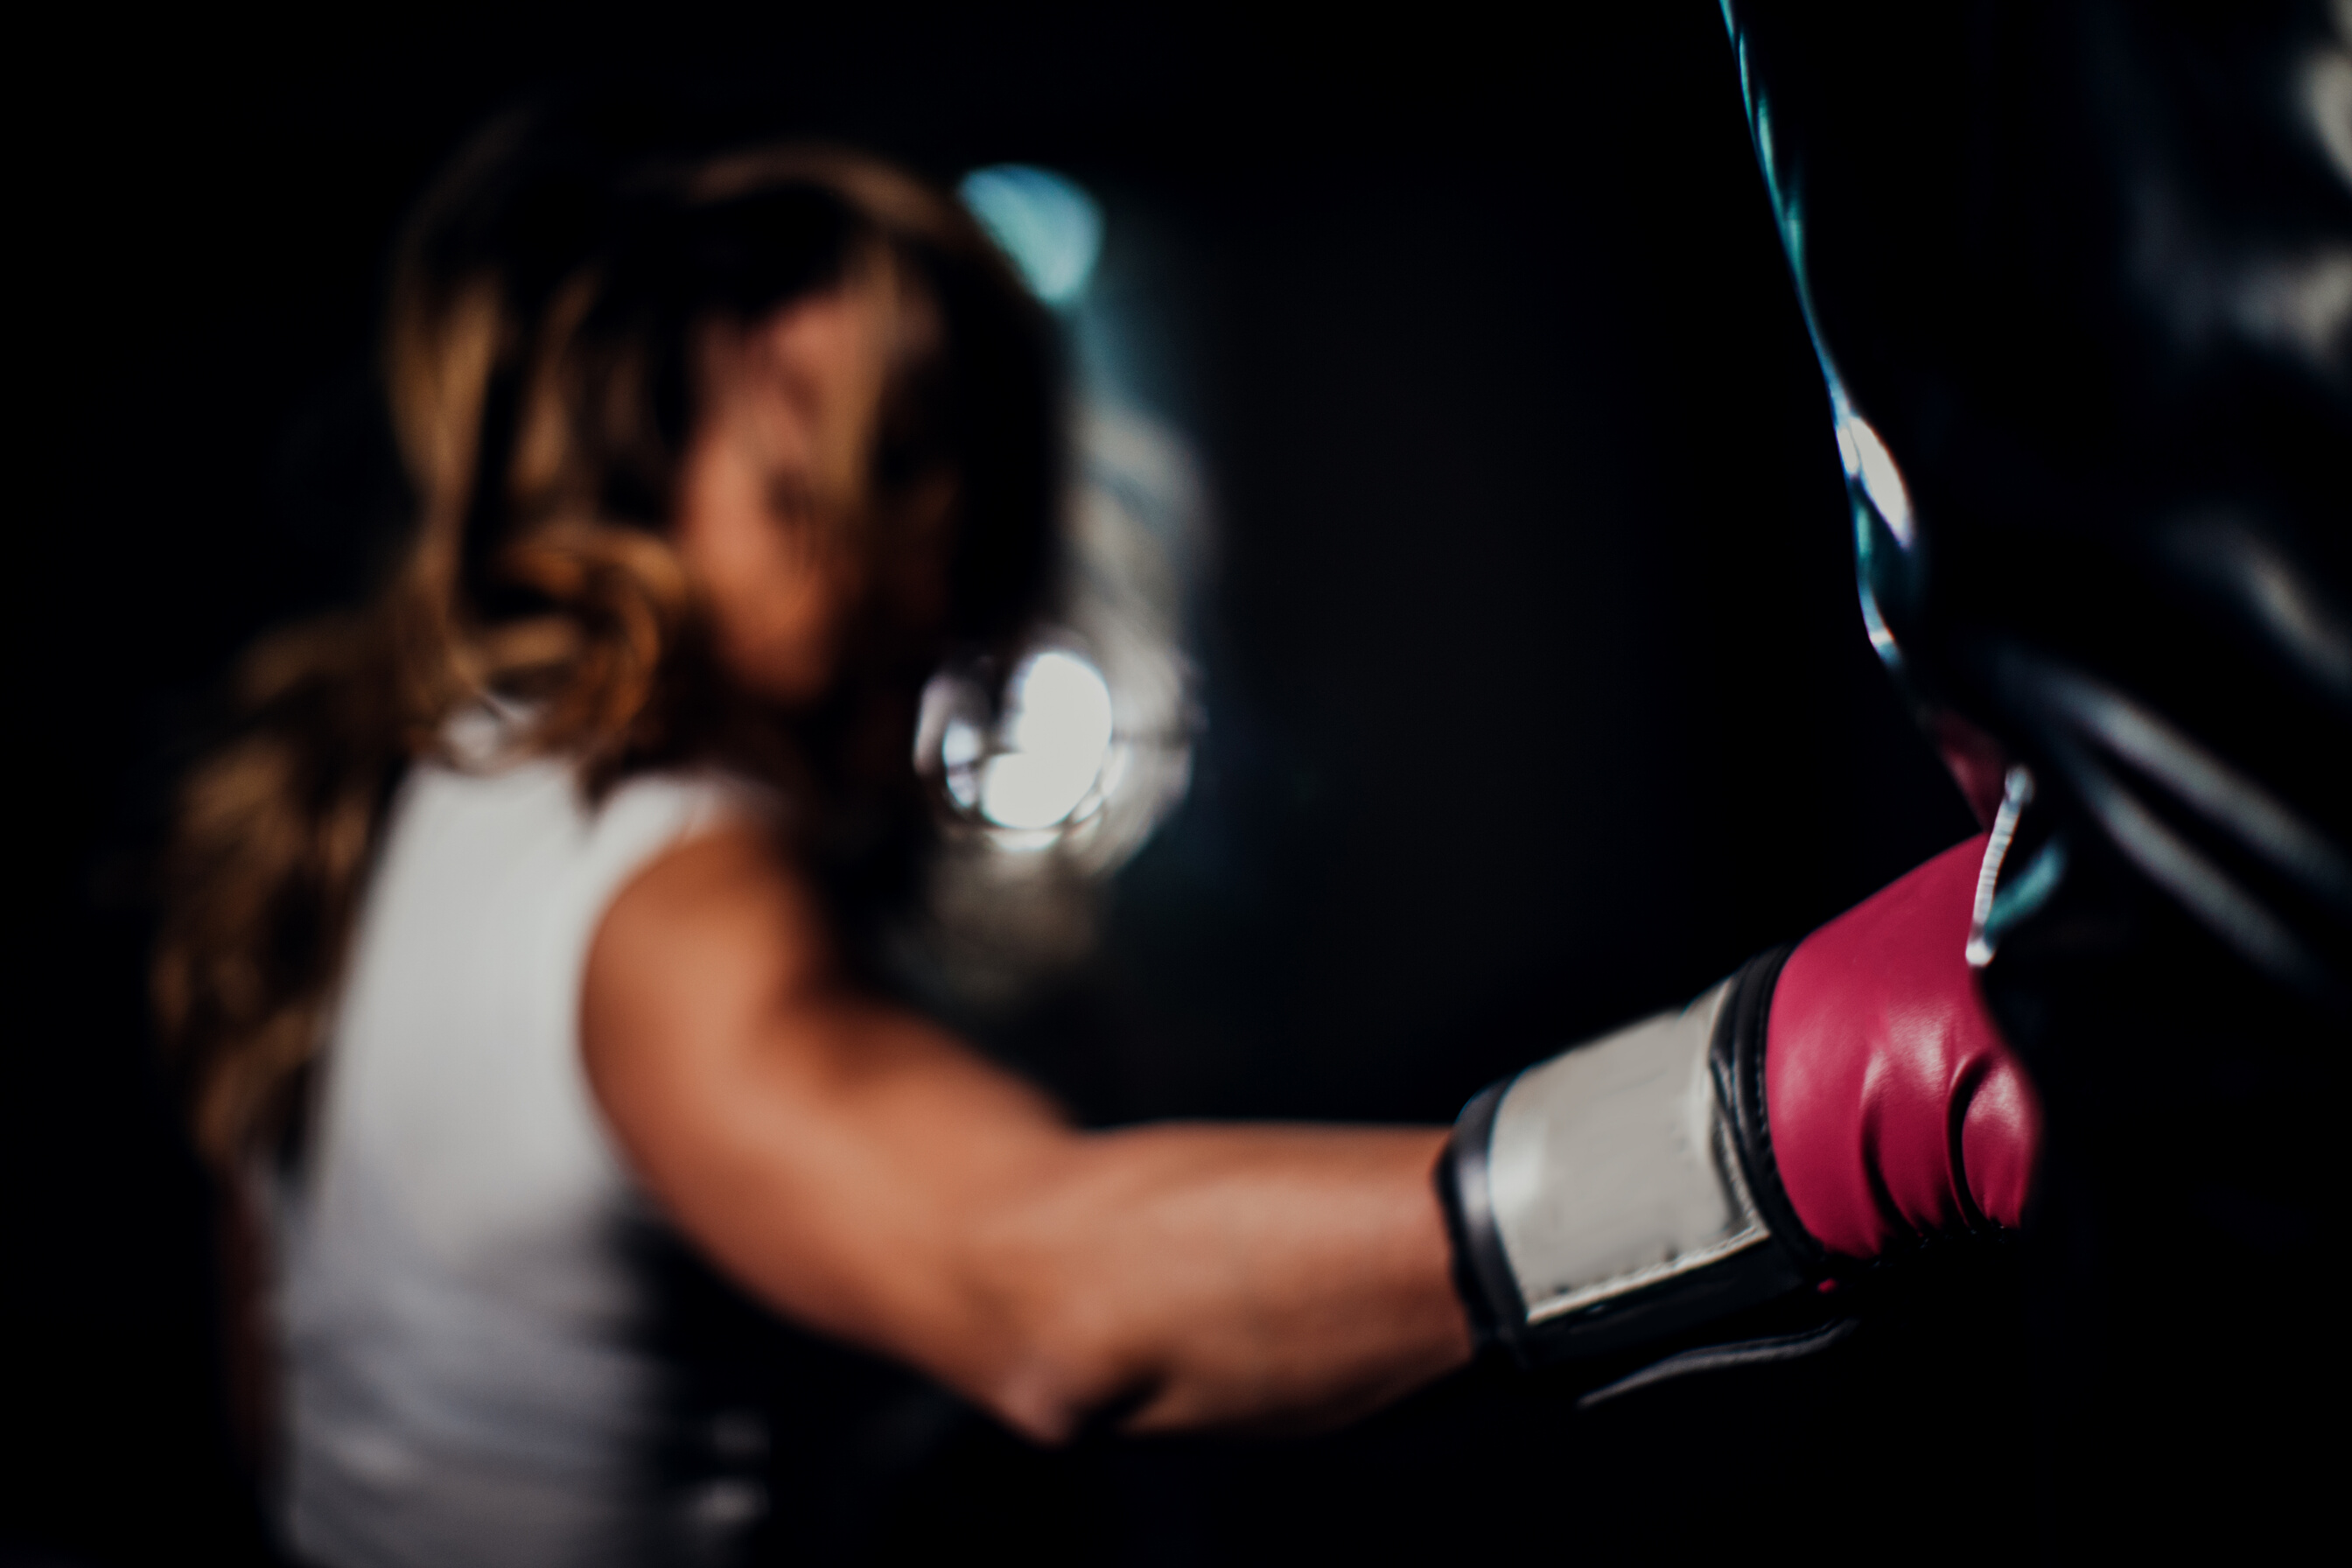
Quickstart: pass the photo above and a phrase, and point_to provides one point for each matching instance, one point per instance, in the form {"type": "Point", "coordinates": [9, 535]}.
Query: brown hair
{"type": "Point", "coordinates": [538, 362]}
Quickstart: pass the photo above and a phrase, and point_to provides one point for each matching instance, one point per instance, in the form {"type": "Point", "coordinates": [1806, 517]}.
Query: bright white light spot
{"type": "Point", "coordinates": [1048, 225]}
{"type": "Point", "coordinates": [960, 751]}
{"type": "Point", "coordinates": [1055, 739]}
{"type": "Point", "coordinates": [1868, 462]}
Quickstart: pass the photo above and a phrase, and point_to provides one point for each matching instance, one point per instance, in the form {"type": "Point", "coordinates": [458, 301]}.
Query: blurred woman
{"type": "Point", "coordinates": [506, 931]}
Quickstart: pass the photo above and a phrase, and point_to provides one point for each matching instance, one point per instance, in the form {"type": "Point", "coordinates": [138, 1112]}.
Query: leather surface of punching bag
{"type": "Point", "coordinates": [2080, 279]}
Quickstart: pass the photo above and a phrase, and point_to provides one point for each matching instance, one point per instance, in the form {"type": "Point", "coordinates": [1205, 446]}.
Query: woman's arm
{"type": "Point", "coordinates": [862, 1172]}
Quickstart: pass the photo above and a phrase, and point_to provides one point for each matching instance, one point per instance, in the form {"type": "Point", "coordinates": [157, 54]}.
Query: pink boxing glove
{"type": "Point", "coordinates": [1895, 1110]}
{"type": "Point", "coordinates": [1827, 1108]}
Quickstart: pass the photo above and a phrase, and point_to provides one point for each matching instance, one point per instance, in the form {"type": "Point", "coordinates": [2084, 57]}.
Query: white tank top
{"type": "Point", "coordinates": [462, 1311]}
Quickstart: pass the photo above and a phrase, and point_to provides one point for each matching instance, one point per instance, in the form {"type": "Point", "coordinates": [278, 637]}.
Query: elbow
{"type": "Point", "coordinates": [1049, 1400]}
{"type": "Point", "coordinates": [1066, 1370]}
{"type": "Point", "coordinates": [1045, 1349]}
{"type": "Point", "coordinates": [1061, 1358]}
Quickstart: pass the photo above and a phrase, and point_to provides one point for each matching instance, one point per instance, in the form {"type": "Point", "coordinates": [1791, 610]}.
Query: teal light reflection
{"type": "Point", "coordinates": [1046, 223]}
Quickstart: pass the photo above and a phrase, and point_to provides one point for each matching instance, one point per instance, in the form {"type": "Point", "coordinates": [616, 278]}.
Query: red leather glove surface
{"type": "Point", "coordinates": [1896, 1109]}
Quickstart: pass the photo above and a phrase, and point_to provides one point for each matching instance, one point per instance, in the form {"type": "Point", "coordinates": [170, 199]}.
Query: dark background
{"type": "Point", "coordinates": [1537, 697]}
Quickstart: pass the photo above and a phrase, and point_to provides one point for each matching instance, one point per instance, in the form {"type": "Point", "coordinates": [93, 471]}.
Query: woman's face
{"type": "Point", "coordinates": [802, 566]}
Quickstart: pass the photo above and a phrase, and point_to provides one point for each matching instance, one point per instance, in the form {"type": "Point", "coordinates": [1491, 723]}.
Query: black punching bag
{"type": "Point", "coordinates": [2080, 277]}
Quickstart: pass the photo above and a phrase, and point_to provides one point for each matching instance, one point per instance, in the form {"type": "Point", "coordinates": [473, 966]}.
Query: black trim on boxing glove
{"type": "Point", "coordinates": [1482, 1274]}
{"type": "Point", "coordinates": [1739, 1066]}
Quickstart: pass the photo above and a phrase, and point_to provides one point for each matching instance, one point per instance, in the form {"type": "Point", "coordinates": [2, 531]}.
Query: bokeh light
{"type": "Point", "coordinates": [1046, 223]}
{"type": "Point", "coordinates": [1044, 765]}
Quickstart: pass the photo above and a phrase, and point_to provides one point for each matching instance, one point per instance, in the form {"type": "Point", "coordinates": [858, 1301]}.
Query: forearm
{"type": "Point", "coordinates": [1187, 1275]}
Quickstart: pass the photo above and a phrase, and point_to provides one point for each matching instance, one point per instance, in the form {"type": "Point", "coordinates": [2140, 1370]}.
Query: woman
{"type": "Point", "coordinates": [506, 934]}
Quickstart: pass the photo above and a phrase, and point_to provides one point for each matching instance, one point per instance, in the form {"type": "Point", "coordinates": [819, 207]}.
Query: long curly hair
{"type": "Point", "coordinates": [538, 364]}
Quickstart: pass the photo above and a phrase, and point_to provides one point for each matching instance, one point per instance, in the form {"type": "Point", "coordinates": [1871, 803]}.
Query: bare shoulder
{"type": "Point", "coordinates": [711, 935]}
